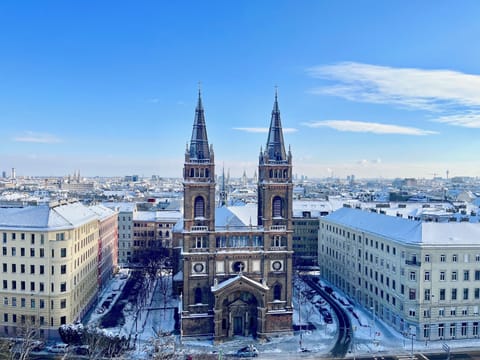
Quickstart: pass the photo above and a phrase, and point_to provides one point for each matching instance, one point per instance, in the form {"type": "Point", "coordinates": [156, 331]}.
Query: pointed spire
{"type": "Point", "coordinates": [275, 145]}
{"type": "Point", "coordinates": [199, 148]}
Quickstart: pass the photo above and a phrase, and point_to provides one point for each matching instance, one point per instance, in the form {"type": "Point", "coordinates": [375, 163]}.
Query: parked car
{"type": "Point", "coordinates": [247, 351]}
{"type": "Point", "coordinates": [81, 350]}
{"type": "Point", "coordinates": [326, 316]}
{"type": "Point", "coordinates": [59, 348]}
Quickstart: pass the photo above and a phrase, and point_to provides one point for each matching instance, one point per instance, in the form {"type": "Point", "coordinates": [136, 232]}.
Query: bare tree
{"type": "Point", "coordinates": [28, 331]}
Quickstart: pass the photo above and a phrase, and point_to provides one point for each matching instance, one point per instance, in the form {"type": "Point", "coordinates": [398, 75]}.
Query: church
{"type": "Point", "coordinates": [236, 261]}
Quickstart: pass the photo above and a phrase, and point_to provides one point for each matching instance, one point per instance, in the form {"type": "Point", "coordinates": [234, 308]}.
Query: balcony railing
{"type": "Point", "coordinates": [412, 262]}
{"type": "Point", "coordinates": [278, 228]}
{"type": "Point", "coordinates": [199, 228]}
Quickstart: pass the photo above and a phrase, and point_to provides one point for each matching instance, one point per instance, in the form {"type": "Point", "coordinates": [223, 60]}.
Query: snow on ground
{"type": "Point", "coordinates": [369, 338]}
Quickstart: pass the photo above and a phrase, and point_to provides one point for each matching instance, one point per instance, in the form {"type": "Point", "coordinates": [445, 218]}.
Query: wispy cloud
{"type": "Point", "coordinates": [368, 127]}
{"type": "Point", "coordinates": [32, 137]}
{"type": "Point", "coordinates": [263, 129]}
{"type": "Point", "coordinates": [433, 90]}
{"type": "Point", "coordinates": [471, 120]}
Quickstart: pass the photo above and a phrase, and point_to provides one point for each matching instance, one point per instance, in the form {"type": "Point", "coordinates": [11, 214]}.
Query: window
{"type": "Point", "coordinates": [443, 258]}
{"type": "Point", "coordinates": [427, 295]}
{"type": "Point", "coordinates": [454, 294]}
{"type": "Point", "coordinates": [63, 287]}
{"type": "Point", "coordinates": [441, 330]}
{"type": "Point", "coordinates": [22, 251]}
{"type": "Point", "coordinates": [14, 251]}
{"type": "Point", "coordinates": [277, 207]}
{"type": "Point", "coordinates": [477, 293]}
{"type": "Point", "coordinates": [42, 252]}
{"type": "Point", "coordinates": [453, 312]}
{"type": "Point", "coordinates": [32, 286]}
{"type": "Point", "coordinates": [454, 258]}
{"type": "Point", "coordinates": [441, 312]}
{"type": "Point", "coordinates": [427, 276]}
{"type": "Point", "coordinates": [199, 209]}
{"type": "Point", "coordinates": [277, 292]}
{"type": "Point", "coordinates": [427, 258]}
{"type": "Point", "coordinates": [63, 304]}
{"type": "Point", "coordinates": [442, 294]}
{"type": "Point", "coordinates": [453, 330]}
{"type": "Point", "coordinates": [63, 252]}
{"type": "Point", "coordinates": [198, 296]}
{"type": "Point", "coordinates": [32, 303]}
{"type": "Point", "coordinates": [477, 275]}
{"type": "Point", "coordinates": [454, 276]}
{"type": "Point", "coordinates": [41, 287]}
{"type": "Point", "coordinates": [466, 275]}
{"type": "Point", "coordinates": [14, 268]}
{"type": "Point", "coordinates": [465, 294]}
{"type": "Point", "coordinates": [22, 302]}
{"type": "Point", "coordinates": [442, 275]}
{"type": "Point", "coordinates": [4, 266]}
{"type": "Point", "coordinates": [63, 269]}
{"type": "Point", "coordinates": [14, 301]}
{"type": "Point", "coordinates": [413, 276]}
{"type": "Point", "coordinates": [5, 284]}
{"type": "Point", "coordinates": [22, 285]}
{"type": "Point", "coordinates": [14, 285]}
{"type": "Point", "coordinates": [42, 269]}
{"type": "Point", "coordinates": [412, 294]}
{"type": "Point", "coordinates": [32, 239]}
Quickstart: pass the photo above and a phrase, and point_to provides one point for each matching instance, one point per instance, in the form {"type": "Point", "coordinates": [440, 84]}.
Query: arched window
{"type": "Point", "coordinates": [271, 174]}
{"type": "Point", "coordinates": [199, 210]}
{"type": "Point", "coordinates": [207, 173]}
{"type": "Point", "coordinates": [192, 172]}
{"type": "Point", "coordinates": [198, 296]}
{"type": "Point", "coordinates": [277, 292]}
{"type": "Point", "coordinates": [160, 233]}
{"type": "Point", "coordinates": [277, 207]}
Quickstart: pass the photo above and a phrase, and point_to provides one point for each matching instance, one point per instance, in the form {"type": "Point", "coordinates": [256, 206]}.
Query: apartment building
{"type": "Point", "coordinates": [49, 265]}
{"type": "Point", "coordinates": [126, 211]}
{"type": "Point", "coordinates": [305, 223]}
{"type": "Point", "coordinates": [152, 233]}
{"type": "Point", "coordinates": [107, 244]}
{"type": "Point", "coordinates": [421, 278]}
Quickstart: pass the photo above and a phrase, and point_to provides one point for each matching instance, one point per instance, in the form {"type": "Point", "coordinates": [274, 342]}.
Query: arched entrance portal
{"type": "Point", "coordinates": [239, 314]}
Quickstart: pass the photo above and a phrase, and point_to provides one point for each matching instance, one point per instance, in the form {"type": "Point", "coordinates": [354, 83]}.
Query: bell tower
{"type": "Point", "coordinates": [275, 184]}
{"type": "Point", "coordinates": [199, 177]}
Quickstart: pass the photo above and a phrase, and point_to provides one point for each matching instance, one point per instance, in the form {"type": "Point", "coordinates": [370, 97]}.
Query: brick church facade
{"type": "Point", "coordinates": [236, 261]}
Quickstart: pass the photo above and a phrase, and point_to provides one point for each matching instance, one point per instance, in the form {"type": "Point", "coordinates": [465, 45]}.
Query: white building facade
{"type": "Point", "coordinates": [418, 277]}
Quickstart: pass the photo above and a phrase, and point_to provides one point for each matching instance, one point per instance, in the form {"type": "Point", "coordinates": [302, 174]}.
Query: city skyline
{"type": "Point", "coordinates": [372, 89]}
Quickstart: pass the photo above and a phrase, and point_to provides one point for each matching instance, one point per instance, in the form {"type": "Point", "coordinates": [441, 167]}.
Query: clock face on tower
{"type": "Point", "coordinates": [277, 265]}
{"type": "Point", "coordinates": [198, 267]}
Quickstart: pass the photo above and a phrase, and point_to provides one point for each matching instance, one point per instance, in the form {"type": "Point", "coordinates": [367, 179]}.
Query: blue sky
{"type": "Point", "coordinates": [371, 88]}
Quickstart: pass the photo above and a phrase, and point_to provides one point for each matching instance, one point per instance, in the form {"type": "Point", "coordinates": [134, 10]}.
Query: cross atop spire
{"type": "Point", "coordinates": [275, 145]}
{"type": "Point", "coordinates": [199, 149]}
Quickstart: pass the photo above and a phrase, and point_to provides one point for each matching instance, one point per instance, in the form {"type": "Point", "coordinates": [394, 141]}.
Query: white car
{"type": "Point", "coordinates": [59, 348]}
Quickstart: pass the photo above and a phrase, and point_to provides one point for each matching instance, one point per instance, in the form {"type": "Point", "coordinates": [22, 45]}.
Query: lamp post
{"type": "Point", "coordinates": [412, 333]}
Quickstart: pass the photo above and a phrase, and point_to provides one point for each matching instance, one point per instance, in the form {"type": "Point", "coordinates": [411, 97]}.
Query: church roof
{"type": "Point", "coordinates": [275, 144]}
{"type": "Point", "coordinates": [238, 278]}
{"type": "Point", "coordinates": [199, 143]}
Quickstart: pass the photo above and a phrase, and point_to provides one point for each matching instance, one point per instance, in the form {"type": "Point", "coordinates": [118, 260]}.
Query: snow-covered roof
{"type": "Point", "coordinates": [165, 215]}
{"type": "Point", "coordinates": [102, 212]}
{"type": "Point", "coordinates": [315, 207]}
{"type": "Point", "coordinates": [239, 277]}
{"type": "Point", "coordinates": [127, 207]}
{"type": "Point", "coordinates": [245, 215]}
{"type": "Point", "coordinates": [38, 217]}
{"type": "Point", "coordinates": [408, 231]}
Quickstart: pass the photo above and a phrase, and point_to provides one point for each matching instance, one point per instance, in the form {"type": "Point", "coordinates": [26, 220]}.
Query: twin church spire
{"type": "Point", "coordinates": [275, 149]}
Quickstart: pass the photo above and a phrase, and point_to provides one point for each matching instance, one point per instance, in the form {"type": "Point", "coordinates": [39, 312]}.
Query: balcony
{"type": "Point", "coordinates": [199, 229]}
{"type": "Point", "coordinates": [413, 262]}
{"type": "Point", "coordinates": [278, 228]}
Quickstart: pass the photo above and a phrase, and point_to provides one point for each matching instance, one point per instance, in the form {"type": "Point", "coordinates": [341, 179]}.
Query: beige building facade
{"type": "Point", "coordinates": [49, 266]}
{"type": "Point", "coordinates": [421, 278]}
